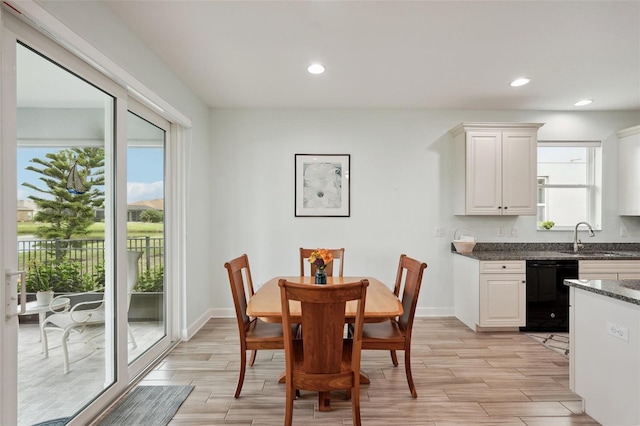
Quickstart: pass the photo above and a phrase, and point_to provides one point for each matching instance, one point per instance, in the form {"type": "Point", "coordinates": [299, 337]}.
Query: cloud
{"type": "Point", "coordinates": [138, 191]}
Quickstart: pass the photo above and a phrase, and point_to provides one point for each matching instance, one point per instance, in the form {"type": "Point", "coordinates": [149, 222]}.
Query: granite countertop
{"type": "Point", "coordinates": [627, 290]}
{"type": "Point", "coordinates": [553, 251]}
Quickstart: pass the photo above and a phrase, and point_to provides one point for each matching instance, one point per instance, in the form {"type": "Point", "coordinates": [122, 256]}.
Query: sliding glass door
{"type": "Point", "coordinates": [85, 301]}
{"type": "Point", "coordinates": [146, 136]}
{"type": "Point", "coordinates": [65, 178]}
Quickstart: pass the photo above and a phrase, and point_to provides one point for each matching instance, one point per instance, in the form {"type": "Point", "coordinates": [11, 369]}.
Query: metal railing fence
{"type": "Point", "coordinates": [88, 253]}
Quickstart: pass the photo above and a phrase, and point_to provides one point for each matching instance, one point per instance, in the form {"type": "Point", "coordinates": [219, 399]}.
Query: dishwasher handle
{"type": "Point", "coordinates": [552, 265]}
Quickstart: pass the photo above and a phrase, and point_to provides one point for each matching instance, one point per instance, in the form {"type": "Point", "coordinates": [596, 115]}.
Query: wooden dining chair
{"type": "Point", "coordinates": [254, 333]}
{"type": "Point", "coordinates": [395, 334]}
{"type": "Point", "coordinates": [322, 360]}
{"type": "Point", "coordinates": [337, 254]}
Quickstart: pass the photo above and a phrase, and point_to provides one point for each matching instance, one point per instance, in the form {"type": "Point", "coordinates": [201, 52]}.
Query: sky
{"type": "Point", "coordinates": [144, 172]}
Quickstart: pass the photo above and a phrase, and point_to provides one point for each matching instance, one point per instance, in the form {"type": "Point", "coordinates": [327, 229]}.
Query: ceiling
{"type": "Point", "coordinates": [397, 54]}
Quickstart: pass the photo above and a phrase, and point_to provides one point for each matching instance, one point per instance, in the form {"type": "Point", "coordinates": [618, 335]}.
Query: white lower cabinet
{"type": "Point", "coordinates": [502, 300]}
{"type": "Point", "coordinates": [609, 269]}
{"type": "Point", "coordinates": [489, 294]}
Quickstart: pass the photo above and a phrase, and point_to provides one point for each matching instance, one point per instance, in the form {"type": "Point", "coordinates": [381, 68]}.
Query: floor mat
{"type": "Point", "coordinates": [148, 405]}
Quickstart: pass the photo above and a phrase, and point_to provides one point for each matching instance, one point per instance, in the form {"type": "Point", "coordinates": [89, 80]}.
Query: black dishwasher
{"type": "Point", "coordinates": [547, 296]}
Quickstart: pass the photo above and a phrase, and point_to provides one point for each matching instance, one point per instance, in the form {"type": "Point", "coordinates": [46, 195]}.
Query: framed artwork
{"type": "Point", "coordinates": [322, 185]}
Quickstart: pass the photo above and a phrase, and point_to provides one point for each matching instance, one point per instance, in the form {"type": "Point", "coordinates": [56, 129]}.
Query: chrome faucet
{"type": "Point", "coordinates": [576, 242]}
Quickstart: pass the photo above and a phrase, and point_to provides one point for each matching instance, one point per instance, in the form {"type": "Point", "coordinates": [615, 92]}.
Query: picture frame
{"type": "Point", "coordinates": [322, 185]}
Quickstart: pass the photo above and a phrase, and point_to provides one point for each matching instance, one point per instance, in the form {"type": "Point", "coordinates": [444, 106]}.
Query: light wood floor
{"type": "Point", "coordinates": [462, 377]}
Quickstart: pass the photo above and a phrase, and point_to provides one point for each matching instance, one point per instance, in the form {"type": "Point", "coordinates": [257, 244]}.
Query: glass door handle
{"type": "Point", "coordinates": [12, 310]}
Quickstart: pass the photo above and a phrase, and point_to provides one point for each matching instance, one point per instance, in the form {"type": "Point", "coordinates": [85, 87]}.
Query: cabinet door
{"type": "Point", "coordinates": [519, 172]}
{"type": "Point", "coordinates": [502, 300]}
{"type": "Point", "coordinates": [629, 172]}
{"type": "Point", "coordinates": [484, 173]}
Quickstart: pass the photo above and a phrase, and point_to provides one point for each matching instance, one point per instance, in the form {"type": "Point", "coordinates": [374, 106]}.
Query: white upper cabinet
{"type": "Point", "coordinates": [629, 172]}
{"type": "Point", "coordinates": [495, 168]}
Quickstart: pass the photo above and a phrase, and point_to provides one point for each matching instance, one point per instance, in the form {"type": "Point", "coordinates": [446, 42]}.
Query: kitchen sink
{"type": "Point", "coordinates": [596, 254]}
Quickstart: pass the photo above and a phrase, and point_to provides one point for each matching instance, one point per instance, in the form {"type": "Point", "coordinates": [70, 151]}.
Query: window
{"type": "Point", "coordinates": [542, 199]}
{"type": "Point", "coordinates": [569, 183]}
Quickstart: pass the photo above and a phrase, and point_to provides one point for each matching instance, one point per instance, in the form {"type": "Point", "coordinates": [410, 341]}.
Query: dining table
{"type": "Point", "coordinates": [380, 305]}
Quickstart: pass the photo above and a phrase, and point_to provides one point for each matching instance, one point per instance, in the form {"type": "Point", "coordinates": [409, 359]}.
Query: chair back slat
{"type": "Point", "coordinates": [412, 270]}
{"type": "Point", "coordinates": [322, 341]}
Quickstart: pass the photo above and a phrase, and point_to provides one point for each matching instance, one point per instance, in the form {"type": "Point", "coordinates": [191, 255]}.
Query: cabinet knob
{"type": "Point", "coordinates": [504, 266]}
{"type": "Point", "coordinates": [506, 207]}
{"type": "Point", "coordinates": [499, 207]}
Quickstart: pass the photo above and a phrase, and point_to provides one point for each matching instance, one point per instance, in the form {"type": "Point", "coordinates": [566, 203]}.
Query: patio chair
{"type": "Point", "coordinates": [78, 316]}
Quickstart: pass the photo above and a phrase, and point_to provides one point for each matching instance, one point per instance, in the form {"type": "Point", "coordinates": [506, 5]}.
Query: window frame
{"type": "Point", "coordinates": [593, 184]}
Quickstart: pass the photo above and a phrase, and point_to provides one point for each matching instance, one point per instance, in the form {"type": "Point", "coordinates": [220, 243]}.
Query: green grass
{"type": "Point", "coordinates": [134, 229]}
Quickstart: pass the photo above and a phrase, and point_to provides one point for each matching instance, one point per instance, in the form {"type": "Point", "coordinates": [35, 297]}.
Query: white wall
{"type": "Point", "coordinates": [400, 190]}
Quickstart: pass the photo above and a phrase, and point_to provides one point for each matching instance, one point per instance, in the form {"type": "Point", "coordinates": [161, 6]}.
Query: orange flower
{"type": "Point", "coordinates": [320, 258]}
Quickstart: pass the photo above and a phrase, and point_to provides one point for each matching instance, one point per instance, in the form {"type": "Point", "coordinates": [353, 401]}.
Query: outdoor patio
{"type": "Point", "coordinates": [45, 392]}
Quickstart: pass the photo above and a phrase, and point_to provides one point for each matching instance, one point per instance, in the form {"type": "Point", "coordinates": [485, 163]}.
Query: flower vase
{"type": "Point", "coordinates": [321, 276]}
{"type": "Point", "coordinates": [44, 298]}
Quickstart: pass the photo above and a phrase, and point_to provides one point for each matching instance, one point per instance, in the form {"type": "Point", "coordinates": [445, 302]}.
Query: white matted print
{"type": "Point", "coordinates": [322, 185]}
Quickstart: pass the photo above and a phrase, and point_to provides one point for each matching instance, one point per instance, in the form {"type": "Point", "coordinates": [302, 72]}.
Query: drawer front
{"type": "Point", "coordinates": [608, 266]}
{"type": "Point", "coordinates": [598, 276]}
{"type": "Point", "coordinates": [506, 267]}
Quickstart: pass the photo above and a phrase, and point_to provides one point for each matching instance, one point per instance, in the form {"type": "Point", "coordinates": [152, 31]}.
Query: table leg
{"type": "Point", "coordinates": [324, 401]}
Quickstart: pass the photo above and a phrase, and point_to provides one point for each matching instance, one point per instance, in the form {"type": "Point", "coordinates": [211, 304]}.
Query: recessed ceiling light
{"type": "Point", "coordinates": [520, 82]}
{"type": "Point", "coordinates": [315, 69]}
{"type": "Point", "coordinates": [583, 102]}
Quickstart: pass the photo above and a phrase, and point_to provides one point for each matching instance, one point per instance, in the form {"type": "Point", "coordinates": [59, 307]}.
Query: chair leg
{"type": "Point", "coordinates": [65, 351]}
{"type": "Point", "coordinates": [243, 362]}
{"type": "Point", "coordinates": [45, 343]}
{"type": "Point", "coordinates": [253, 358]}
{"type": "Point", "coordinates": [288, 411]}
{"type": "Point", "coordinates": [407, 368]}
{"type": "Point", "coordinates": [355, 405]}
{"type": "Point", "coordinates": [394, 358]}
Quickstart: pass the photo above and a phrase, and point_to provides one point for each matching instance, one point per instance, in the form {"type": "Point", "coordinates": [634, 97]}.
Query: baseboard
{"type": "Point", "coordinates": [230, 313]}
{"type": "Point", "coordinates": [191, 330]}
{"type": "Point", "coordinates": [223, 313]}
{"type": "Point", "coordinates": [495, 329]}
{"type": "Point", "coordinates": [435, 312]}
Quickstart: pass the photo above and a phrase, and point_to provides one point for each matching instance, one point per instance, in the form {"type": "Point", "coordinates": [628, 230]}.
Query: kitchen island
{"type": "Point", "coordinates": [605, 348]}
